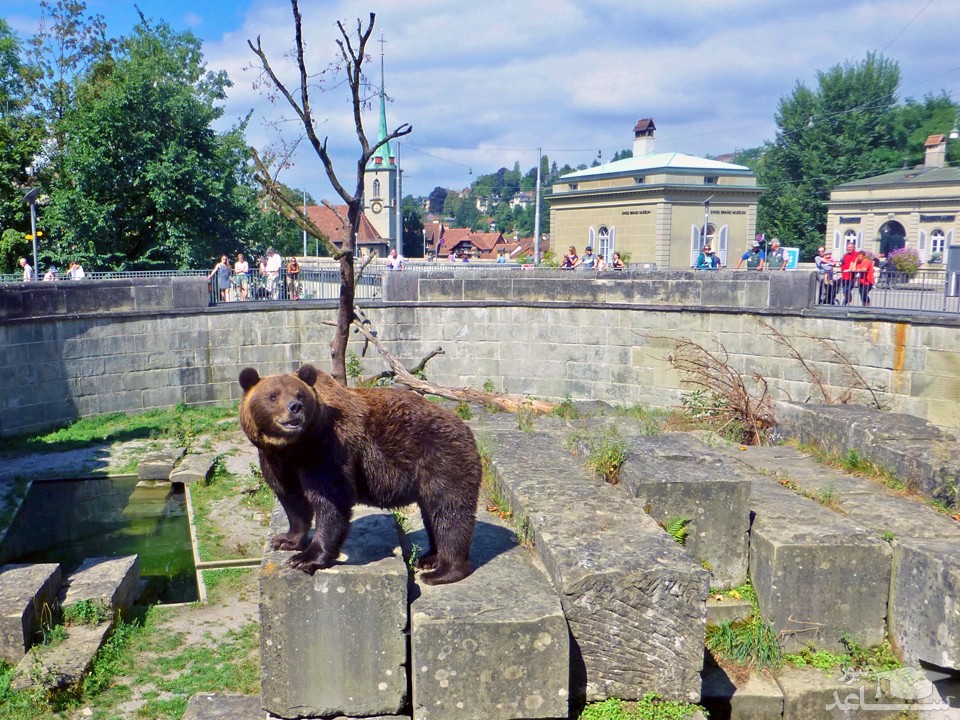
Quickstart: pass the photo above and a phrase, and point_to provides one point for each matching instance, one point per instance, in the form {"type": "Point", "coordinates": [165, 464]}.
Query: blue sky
{"type": "Point", "coordinates": [486, 84]}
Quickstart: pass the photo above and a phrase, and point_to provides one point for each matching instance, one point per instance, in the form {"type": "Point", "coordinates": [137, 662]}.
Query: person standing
{"type": "Point", "coordinates": [395, 261]}
{"type": "Point", "coordinates": [29, 275]}
{"type": "Point", "coordinates": [570, 259]}
{"type": "Point", "coordinates": [272, 268]}
{"type": "Point", "coordinates": [220, 277]}
{"type": "Point", "coordinates": [776, 259]}
{"type": "Point", "coordinates": [75, 271]}
{"type": "Point", "coordinates": [293, 279]}
{"type": "Point", "coordinates": [754, 257]}
{"type": "Point", "coordinates": [862, 273]}
{"type": "Point", "coordinates": [241, 277]}
{"type": "Point", "coordinates": [846, 272]}
{"type": "Point", "coordinates": [589, 260]}
{"type": "Point", "coordinates": [617, 263]}
{"type": "Point", "coordinates": [707, 260]}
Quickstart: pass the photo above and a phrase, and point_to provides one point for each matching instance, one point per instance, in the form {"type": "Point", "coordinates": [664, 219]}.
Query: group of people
{"type": "Point", "coordinates": [856, 271]}
{"type": "Point", "coordinates": [223, 278]}
{"type": "Point", "coordinates": [756, 258]}
{"type": "Point", "coordinates": [75, 272]}
{"type": "Point", "coordinates": [590, 261]}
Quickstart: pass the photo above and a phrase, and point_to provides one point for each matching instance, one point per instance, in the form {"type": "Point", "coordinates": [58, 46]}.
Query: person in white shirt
{"type": "Point", "coordinates": [273, 273]}
{"type": "Point", "coordinates": [395, 261]}
{"type": "Point", "coordinates": [75, 272]}
{"type": "Point", "coordinates": [28, 274]}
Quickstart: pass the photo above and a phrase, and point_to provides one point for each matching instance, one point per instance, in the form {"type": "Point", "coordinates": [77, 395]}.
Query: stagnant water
{"type": "Point", "coordinates": [68, 521]}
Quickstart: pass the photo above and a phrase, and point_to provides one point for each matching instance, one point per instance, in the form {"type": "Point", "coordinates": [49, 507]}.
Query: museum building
{"type": "Point", "coordinates": [913, 207]}
{"type": "Point", "coordinates": [658, 207]}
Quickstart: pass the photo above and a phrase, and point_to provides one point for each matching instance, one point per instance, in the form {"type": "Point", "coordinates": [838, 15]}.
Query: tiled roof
{"type": "Point", "coordinates": [919, 175]}
{"type": "Point", "coordinates": [327, 220]}
{"type": "Point", "coordinates": [655, 161]}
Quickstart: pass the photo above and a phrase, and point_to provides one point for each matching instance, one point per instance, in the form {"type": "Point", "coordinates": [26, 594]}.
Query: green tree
{"type": "Point", "coordinates": [412, 228]}
{"type": "Point", "coordinates": [838, 132]}
{"type": "Point", "coordinates": [20, 135]}
{"type": "Point", "coordinates": [917, 120]}
{"type": "Point", "coordinates": [144, 180]}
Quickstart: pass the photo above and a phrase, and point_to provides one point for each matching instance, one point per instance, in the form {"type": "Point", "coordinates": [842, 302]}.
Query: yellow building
{"type": "Point", "coordinates": [659, 207]}
{"type": "Point", "coordinates": [914, 207]}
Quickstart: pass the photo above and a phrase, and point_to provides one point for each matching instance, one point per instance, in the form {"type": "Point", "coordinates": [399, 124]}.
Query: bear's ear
{"type": "Point", "coordinates": [248, 378]}
{"type": "Point", "coordinates": [308, 373]}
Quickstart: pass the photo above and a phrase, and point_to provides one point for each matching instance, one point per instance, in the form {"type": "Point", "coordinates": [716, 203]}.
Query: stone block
{"type": "Point", "coordinates": [334, 643]}
{"type": "Point", "coordinates": [811, 694]}
{"type": "Point", "coordinates": [62, 665]}
{"type": "Point", "coordinates": [494, 645]}
{"type": "Point", "coordinates": [635, 601]}
{"type": "Point", "coordinates": [925, 601]}
{"type": "Point", "coordinates": [723, 608]}
{"type": "Point", "coordinates": [817, 575]}
{"type": "Point", "coordinates": [677, 476]}
{"type": "Point", "coordinates": [112, 581]}
{"type": "Point", "coordinates": [193, 469]}
{"type": "Point", "coordinates": [26, 591]}
{"type": "Point", "coordinates": [220, 706]}
{"type": "Point", "coordinates": [725, 697]}
{"type": "Point", "coordinates": [158, 464]}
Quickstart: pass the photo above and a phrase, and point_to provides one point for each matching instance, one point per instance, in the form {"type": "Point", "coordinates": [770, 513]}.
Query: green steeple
{"type": "Point", "coordinates": [384, 151]}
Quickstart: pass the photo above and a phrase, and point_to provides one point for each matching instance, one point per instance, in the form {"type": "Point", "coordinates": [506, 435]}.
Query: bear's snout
{"type": "Point", "coordinates": [295, 407]}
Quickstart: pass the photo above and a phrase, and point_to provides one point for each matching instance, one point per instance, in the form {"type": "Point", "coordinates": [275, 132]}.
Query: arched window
{"type": "Point", "coordinates": [376, 188]}
{"type": "Point", "coordinates": [850, 236]}
{"type": "Point", "coordinates": [938, 242]}
{"type": "Point", "coordinates": [603, 243]}
{"type": "Point", "coordinates": [707, 235]}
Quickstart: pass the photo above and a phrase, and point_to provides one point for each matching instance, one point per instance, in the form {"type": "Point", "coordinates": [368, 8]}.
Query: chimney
{"type": "Point", "coordinates": [935, 151]}
{"type": "Point", "coordinates": [643, 137]}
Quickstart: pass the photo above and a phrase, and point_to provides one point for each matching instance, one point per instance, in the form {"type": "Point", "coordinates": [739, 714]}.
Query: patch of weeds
{"type": "Point", "coordinates": [525, 532]}
{"type": "Point", "coordinates": [877, 659]}
{"type": "Point", "coordinates": [888, 536]}
{"type": "Point", "coordinates": [414, 554]}
{"type": "Point", "coordinates": [827, 496]}
{"type": "Point", "coordinates": [354, 367]}
{"type": "Point", "coordinates": [401, 520]}
{"type": "Point", "coordinates": [463, 411]}
{"type": "Point", "coordinates": [606, 453]}
{"type": "Point", "coordinates": [650, 707]}
{"type": "Point", "coordinates": [488, 386]}
{"type": "Point", "coordinates": [227, 582]}
{"type": "Point", "coordinates": [741, 592]}
{"type": "Point", "coordinates": [820, 659]}
{"type": "Point", "coordinates": [86, 612]}
{"type": "Point", "coordinates": [750, 643]}
{"type": "Point", "coordinates": [650, 421]}
{"type": "Point", "coordinates": [525, 415]}
{"type": "Point", "coordinates": [677, 528]}
{"type": "Point", "coordinates": [566, 409]}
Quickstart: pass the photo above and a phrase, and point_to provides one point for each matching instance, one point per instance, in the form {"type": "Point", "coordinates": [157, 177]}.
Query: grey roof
{"type": "Point", "coordinates": [657, 161]}
{"type": "Point", "coordinates": [910, 176]}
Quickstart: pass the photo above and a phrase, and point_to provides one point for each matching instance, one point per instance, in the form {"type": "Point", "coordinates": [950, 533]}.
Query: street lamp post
{"type": "Point", "coordinates": [31, 199]}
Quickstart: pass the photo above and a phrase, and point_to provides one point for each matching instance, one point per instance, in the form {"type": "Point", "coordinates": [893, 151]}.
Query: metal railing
{"type": "Point", "coordinates": [924, 291]}
{"type": "Point", "coordinates": [309, 284]}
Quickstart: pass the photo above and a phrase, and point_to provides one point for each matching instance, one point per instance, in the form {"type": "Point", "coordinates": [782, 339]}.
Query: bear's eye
{"type": "Point", "coordinates": [300, 395]}
{"type": "Point", "coordinates": [273, 397]}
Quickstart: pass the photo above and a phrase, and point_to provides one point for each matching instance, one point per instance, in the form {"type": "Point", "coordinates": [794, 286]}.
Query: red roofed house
{"type": "Point", "coordinates": [368, 240]}
{"type": "Point", "coordinates": [443, 240]}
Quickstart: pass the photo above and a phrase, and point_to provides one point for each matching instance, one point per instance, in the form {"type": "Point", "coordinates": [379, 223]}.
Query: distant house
{"type": "Point", "coordinates": [523, 200]}
{"type": "Point", "coordinates": [368, 241]}
{"type": "Point", "coordinates": [914, 207]}
{"type": "Point", "coordinates": [660, 207]}
{"type": "Point", "coordinates": [442, 240]}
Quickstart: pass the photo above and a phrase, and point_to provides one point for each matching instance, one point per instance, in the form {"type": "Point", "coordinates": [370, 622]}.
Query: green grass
{"type": "Point", "coordinates": [86, 612]}
{"type": "Point", "coordinates": [650, 707]}
{"type": "Point", "coordinates": [650, 421]}
{"type": "Point", "coordinates": [870, 661]}
{"type": "Point", "coordinates": [225, 584]}
{"type": "Point", "coordinates": [749, 643]}
{"type": "Point", "coordinates": [566, 409]}
{"type": "Point", "coordinates": [605, 451]}
{"type": "Point", "coordinates": [183, 423]}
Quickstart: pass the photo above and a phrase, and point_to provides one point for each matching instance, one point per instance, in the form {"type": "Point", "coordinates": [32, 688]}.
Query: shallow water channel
{"type": "Point", "coordinates": [68, 521]}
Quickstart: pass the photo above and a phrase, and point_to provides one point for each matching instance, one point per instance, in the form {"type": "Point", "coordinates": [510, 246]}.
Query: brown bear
{"type": "Point", "coordinates": [324, 448]}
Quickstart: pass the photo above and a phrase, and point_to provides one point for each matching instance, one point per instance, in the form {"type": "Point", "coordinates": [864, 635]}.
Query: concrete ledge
{"type": "Point", "coordinates": [634, 600]}
{"type": "Point", "coordinates": [64, 664]}
{"type": "Point", "coordinates": [25, 591]}
{"type": "Point", "coordinates": [758, 697]}
{"type": "Point", "coordinates": [193, 469]}
{"type": "Point", "coordinates": [158, 464]}
{"type": "Point", "coordinates": [816, 574]}
{"type": "Point", "coordinates": [727, 610]}
{"type": "Point", "coordinates": [675, 475]}
{"type": "Point", "coordinates": [334, 643]}
{"type": "Point", "coordinates": [494, 645]}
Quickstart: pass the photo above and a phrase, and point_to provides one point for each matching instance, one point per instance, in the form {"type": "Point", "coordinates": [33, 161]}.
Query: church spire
{"type": "Point", "coordinates": [382, 157]}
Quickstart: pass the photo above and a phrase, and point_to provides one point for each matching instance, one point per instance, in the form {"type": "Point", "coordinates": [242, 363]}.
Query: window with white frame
{"type": "Point", "coordinates": [603, 243]}
{"type": "Point", "coordinates": [938, 242]}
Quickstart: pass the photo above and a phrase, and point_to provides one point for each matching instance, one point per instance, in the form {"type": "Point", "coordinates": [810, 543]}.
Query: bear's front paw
{"type": "Point", "coordinates": [309, 562]}
{"type": "Point", "coordinates": [426, 562]}
{"type": "Point", "coordinates": [288, 541]}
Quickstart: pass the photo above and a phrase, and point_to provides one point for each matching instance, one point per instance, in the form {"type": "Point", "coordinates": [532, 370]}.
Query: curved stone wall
{"type": "Point", "coordinates": [607, 341]}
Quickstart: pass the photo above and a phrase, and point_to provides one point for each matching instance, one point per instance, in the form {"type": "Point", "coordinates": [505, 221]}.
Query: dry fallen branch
{"type": "Point", "coordinates": [501, 401]}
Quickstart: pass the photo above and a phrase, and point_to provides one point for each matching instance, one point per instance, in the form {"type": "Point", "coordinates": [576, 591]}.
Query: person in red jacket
{"type": "Point", "coordinates": [846, 275]}
{"type": "Point", "coordinates": [862, 272]}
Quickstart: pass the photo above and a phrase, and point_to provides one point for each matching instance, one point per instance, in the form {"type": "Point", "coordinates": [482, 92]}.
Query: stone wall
{"type": "Point", "coordinates": [535, 333]}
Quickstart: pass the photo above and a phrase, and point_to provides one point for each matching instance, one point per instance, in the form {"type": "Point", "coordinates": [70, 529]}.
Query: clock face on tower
{"type": "Point", "coordinates": [376, 206]}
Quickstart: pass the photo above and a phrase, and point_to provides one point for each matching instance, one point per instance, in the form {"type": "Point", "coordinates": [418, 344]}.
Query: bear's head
{"type": "Point", "coordinates": [279, 410]}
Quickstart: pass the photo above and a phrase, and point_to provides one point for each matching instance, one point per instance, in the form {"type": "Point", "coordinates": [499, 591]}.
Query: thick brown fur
{"type": "Point", "coordinates": [324, 448]}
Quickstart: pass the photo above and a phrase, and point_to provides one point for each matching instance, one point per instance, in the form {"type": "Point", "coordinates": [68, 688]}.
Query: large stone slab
{"type": "Point", "coordinates": [114, 582]}
{"type": "Point", "coordinates": [925, 601]}
{"type": "Point", "coordinates": [911, 448]}
{"type": "Point", "coordinates": [27, 593]}
{"type": "Point", "coordinates": [158, 464]}
{"type": "Point", "coordinates": [812, 694]}
{"type": "Point", "coordinates": [193, 469]}
{"type": "Point", "coordinates": [62, 665]}
{"type": "Point", "coordinates": [494, 645]}
{"type": "Point", "coordinates": [817, 575]}
{"type": "Point", "coordinates": [677, 476]}
{"type": "Point", "coordinates": [727, 697]}
{"type": "Point", "coordinates": [634, 599]}
{"type": "Point", "coordinates": [334, 643]}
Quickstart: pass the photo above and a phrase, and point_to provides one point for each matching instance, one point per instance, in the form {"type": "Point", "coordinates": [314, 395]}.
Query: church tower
{"type": "Point", "coordinates": [380, 179]}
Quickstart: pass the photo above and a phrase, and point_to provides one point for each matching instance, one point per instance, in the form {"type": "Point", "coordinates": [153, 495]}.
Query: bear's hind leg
{"type": "Point", "coordinates": [428, 560]}
{"type": "Point", "coordinates": [452, 535]}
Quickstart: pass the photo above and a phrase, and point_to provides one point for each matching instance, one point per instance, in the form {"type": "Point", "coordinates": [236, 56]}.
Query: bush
{"type": "Point", "coordinates": [906, 260]}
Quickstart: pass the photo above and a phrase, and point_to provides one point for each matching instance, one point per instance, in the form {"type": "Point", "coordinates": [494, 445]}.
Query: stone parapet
{"type": "Point", "coordinates": [26, 593]}
{"type": "Point", "coordinates": [634, 600]}
{"type": "Point", "coordinates": [335, 643]}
